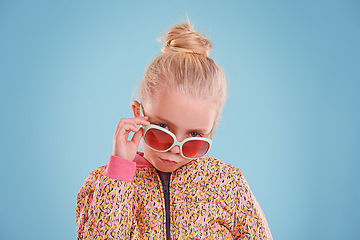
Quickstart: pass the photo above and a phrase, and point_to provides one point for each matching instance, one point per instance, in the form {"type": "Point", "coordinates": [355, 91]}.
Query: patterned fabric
{"type": "Point", "coordinates": [209, 199]}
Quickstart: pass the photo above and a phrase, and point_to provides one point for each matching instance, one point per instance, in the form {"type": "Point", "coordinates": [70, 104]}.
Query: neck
{"type": "Point", "coordinates": [164, 175]}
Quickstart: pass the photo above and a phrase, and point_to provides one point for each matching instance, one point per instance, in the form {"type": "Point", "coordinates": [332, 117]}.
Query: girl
{"type": "Point", "coordinates": [171, 190]}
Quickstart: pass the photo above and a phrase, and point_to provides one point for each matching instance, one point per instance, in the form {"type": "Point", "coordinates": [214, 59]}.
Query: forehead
{"type": "Point", "coordinates": [181, 110]}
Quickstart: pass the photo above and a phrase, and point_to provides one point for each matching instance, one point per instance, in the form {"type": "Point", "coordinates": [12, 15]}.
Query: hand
{"type": "Point", "coordinates": [121, 146]}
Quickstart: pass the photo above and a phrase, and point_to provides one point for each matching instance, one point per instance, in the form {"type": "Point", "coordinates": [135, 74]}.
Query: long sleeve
{"type": "Point", "coordinates": [84, 199]}
{"type": "Point", "coordinates": [104, 202]}
{"type": "Point", "coordinates": [263, 219]}
{"type": "Point", "coordinates": [120, 169]}
{"type": "Point", "coordinates": [250, 221]}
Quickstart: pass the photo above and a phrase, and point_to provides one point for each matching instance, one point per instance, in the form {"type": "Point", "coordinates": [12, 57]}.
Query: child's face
{"type": "Point", "coordinates": [184, 116]}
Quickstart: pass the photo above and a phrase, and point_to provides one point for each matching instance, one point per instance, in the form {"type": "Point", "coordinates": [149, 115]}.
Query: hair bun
{"type": "Point", "coordinates": [182, 38]}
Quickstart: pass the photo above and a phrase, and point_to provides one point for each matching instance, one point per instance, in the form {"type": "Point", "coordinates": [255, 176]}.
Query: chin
{"type": "Point", "coordinates": [159, 164]}
{"type": "Point", "coordinates": [163, 168]}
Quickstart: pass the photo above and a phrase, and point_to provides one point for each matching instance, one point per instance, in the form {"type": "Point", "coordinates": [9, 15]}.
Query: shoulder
{"type": "Point", "coordinates": [216, 167]}
{"type": "Point", "coordinates": [216, 174]}
{"type": "Point", "coordinates": [98, 171]}
{"type": "Point", "coordinates": [229, 183]}
{"type": "Point", "coordinates": [94, 175]}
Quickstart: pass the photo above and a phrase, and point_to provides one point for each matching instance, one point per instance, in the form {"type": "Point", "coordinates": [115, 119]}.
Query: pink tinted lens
{"type": "Point", "coordinates": [158, 139]}
{"type": "Point", "coordinates": [195, 148]}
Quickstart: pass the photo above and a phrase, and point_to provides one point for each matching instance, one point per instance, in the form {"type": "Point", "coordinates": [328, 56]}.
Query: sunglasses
{"type": "Point", "coordinates": [162, 140]}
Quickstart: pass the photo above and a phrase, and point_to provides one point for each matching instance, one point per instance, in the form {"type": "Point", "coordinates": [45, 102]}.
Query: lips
{"type": "Point", "coordinates": [168, 162]}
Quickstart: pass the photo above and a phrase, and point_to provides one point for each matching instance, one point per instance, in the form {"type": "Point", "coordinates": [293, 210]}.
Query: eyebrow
{"type": "Point", "coordinates": [163, 120]}
{"type": "Point", "coordinates": [200, 130]}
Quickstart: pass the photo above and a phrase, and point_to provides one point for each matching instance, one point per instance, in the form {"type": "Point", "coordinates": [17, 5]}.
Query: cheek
{"type": "Point", "coordinates": [142, 144]}
{"type": "Point", "coordinates": [149, 153]}
{"type": "Point", "coordinates": [144, 148]}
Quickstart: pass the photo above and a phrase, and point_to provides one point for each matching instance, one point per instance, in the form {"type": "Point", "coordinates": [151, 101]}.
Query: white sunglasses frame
{"type": "Point", "coordinates": [175, 143]}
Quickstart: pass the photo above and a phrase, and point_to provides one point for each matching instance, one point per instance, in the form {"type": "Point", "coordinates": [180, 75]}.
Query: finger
{"type": "Point", "coordinates": [137, 137]}
{"type": "Point", "coordinates": [125, 130]}
{"type": "Point", "coordinates": [122, 133]}
{"type": "Point", "coordinates": [141, 121]}
{"type": "Point", "coordinates": [125, 123]}
{"type": "Point", "coordinates": [133, 121]}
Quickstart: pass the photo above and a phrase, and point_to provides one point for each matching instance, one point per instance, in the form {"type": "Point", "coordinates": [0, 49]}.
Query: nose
{"type": "Point", "coordinates": [175, 149]}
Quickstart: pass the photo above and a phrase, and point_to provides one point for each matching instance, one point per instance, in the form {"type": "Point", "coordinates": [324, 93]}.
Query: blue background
{"type": "Point", "coordinates": [68, 71]}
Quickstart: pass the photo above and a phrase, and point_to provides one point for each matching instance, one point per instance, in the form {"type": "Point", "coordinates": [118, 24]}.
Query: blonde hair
{"type": "Point", "coordinates": [184, 66]}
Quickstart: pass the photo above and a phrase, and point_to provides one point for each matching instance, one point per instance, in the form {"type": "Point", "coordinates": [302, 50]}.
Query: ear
{"type": "Point", "coordinates": [135, 105]}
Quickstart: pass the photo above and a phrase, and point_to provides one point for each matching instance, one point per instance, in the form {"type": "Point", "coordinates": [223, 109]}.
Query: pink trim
{"type": "Point", "coordinates": [141, 162]}
{"type": "Point", "coordinates": [124, 170]}
{"type": "Point", "coordinates": [120, 169]}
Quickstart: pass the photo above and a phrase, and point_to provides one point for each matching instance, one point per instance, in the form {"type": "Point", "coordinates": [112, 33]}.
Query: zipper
{"type": "Point", "coordinates": [166, 187]}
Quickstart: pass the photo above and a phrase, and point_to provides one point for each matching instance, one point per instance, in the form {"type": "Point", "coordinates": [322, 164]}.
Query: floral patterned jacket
{"type": "Point", "coordinates": [209, 199]}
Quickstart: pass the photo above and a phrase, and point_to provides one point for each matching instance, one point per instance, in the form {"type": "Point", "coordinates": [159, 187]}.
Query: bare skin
{"type": "Point", "coordinates": [185, 116]}
{"type": "Point", "coordinates": [121, 146]}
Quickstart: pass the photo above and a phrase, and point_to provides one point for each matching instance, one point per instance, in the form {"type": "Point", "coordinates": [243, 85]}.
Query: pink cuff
{"type": "Point", "coordinates": [120, 169]}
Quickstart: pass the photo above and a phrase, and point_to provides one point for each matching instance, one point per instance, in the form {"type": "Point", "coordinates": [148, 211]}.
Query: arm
{"type": "Point", "coordinates": [262, 216]}
{"type": "Point", "coordinates": [105, 190]}
{"type": "Point", "coordinates": [83, 202]}
{"type": "Point", "coordinates": [250, 220]}
{"type": "Point", "coordinates": [104, 203]}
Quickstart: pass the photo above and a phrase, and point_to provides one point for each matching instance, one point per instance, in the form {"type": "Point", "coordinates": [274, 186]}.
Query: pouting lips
{"type": "Point", "coordinates": [168, 162]}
